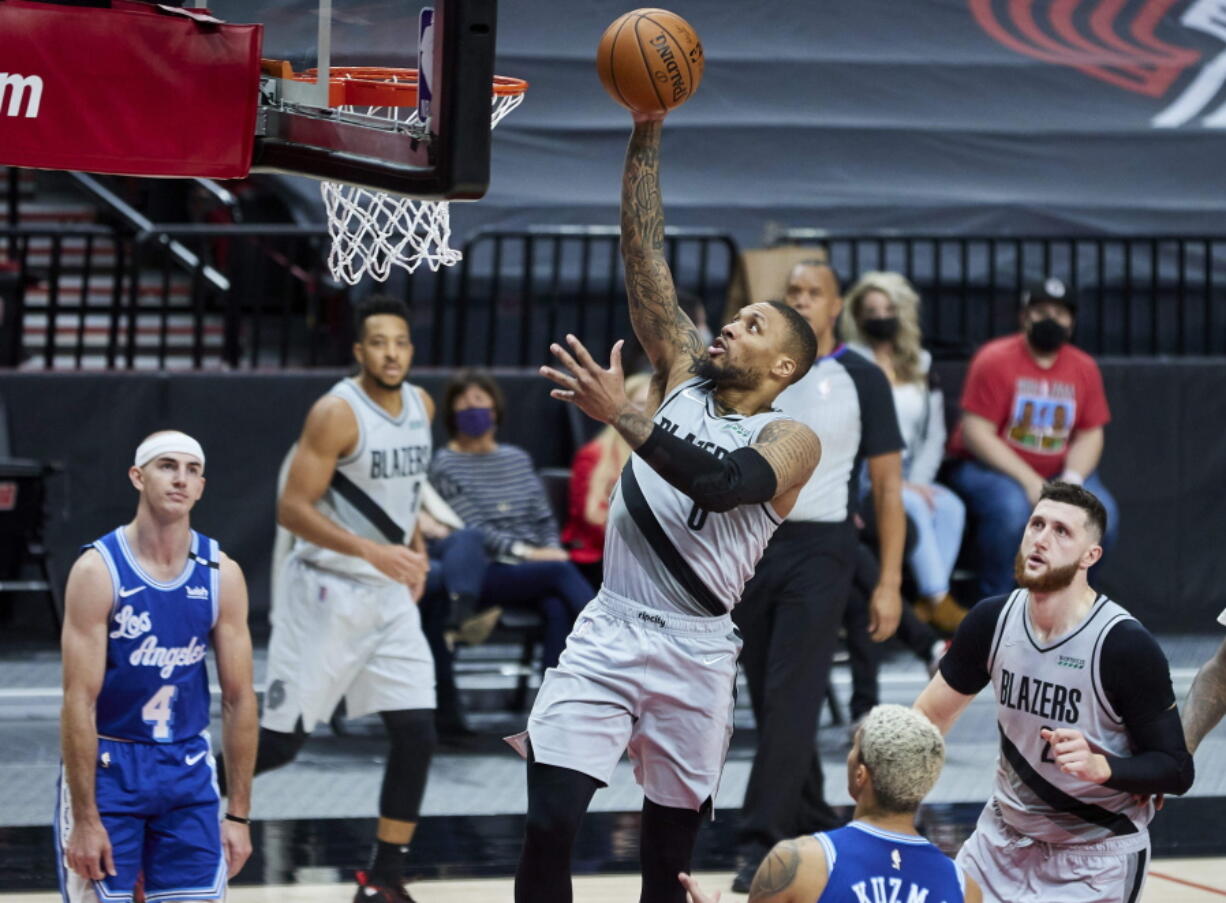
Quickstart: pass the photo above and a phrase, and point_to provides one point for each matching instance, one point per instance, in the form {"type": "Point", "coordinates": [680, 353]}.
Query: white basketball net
{"type": "Point", "coordinates": [372, 231]}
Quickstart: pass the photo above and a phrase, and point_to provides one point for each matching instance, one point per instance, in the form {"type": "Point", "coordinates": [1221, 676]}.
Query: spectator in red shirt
{"type": "Point", "coordinates": [1033, 409]}
{"type": "Point", "coordinates": [593, 473]}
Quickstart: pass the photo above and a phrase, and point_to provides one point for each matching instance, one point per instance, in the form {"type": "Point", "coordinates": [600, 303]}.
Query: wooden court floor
{"type": "Point", "coordinates": [1170, 881]}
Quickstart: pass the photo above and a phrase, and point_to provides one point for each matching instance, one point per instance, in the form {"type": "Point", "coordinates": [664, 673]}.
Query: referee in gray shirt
{"type": "Point", "coordinates": [792, 609]}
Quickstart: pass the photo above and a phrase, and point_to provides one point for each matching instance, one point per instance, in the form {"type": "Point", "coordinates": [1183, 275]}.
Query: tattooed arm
{"type": "Point", "coordinates": [794, 871]}
{"type": "Point", "coordinates": [1206, 702]}
{"type": "Point", "coordinates": [665, 332]}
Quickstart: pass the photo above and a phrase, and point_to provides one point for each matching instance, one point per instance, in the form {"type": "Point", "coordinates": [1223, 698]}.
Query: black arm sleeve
{"type": "Point", "coordinates": [1162, 763]}
{"type": "Point", "coordinates": [1137, 682]}
{"type": "Point", "coordinates": [965, 665]}
{"type": "Point", "coordinates": [716, 484]}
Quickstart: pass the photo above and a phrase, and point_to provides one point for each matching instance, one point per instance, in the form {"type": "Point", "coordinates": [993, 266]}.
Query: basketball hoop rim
{"type": "Point", "coordinates": [384, 86]}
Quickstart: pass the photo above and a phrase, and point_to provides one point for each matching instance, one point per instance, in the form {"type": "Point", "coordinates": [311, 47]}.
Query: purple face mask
{"type": "Point", "coordinates": [474, 422]}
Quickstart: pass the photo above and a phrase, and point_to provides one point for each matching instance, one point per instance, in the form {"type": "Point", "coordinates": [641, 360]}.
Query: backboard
{"type": "Point", "coordinates": [446, 157]}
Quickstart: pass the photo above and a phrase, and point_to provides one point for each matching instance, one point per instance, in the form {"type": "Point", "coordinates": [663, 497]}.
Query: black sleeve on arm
{"type": "Point", "coordinates": [716, 484]}
{"type": "Point", "coordinates": [965, 665]}
{"type": "Point", "coordinates": [1137, 681]}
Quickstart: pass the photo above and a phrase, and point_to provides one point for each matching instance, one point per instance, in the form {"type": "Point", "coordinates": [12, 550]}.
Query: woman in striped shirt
{"type": "Point", "coordinates": [494, 486]}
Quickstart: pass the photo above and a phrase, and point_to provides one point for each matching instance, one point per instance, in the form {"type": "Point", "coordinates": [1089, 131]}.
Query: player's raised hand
{"type": "Point", "coordinates": [1072, 752]}
{"type": "Point", "coordinates": [599, 393]}
{"type": "Point", "coordinates": [89, 850]}
{"type": "Point", "coordinates": [694, 893]}
{"type": "Point", "coordinates": [236, 842]}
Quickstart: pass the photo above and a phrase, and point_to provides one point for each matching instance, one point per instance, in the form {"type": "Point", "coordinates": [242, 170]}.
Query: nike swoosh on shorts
{"type": "Point", "coordinates": [192, 760]}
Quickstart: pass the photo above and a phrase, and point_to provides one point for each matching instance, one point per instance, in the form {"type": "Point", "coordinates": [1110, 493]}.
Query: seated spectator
{"type": "Point", "coordinates": [493, 487]}
{"type": "Point", "coordinates": [450, 603]}
{"type": "Point", "coordinates": [1033, 409]}
{"type": "Point", "coordinates": [593, 474]}
{"type": "Point", "coordinates": [881, 321]}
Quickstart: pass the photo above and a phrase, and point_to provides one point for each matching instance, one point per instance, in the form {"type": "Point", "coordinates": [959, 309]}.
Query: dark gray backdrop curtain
{"type": "Point", "coordinates": [949, 116]}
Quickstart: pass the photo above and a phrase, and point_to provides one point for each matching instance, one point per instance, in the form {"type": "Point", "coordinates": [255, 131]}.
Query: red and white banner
{"type": "Point", "coordinates": [134, 89]}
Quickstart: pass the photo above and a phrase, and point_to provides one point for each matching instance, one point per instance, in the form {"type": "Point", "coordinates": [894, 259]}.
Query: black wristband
{"type": "Point", "coordinates": [238, 818]}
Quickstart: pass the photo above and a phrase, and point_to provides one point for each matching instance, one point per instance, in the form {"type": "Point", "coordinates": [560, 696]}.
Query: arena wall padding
{"type": "Point", "coordinates": [1165, 461]}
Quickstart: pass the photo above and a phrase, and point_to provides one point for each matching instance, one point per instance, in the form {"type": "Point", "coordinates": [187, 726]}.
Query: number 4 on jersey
{"type": "Point", "coordinates": [159, 711]}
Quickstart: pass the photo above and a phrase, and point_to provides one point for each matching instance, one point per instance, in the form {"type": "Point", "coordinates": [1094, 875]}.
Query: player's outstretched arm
{"type": "Point", "coordinates": [665, 331]}
{"type": "Point", "coordinates": [941, 704]}
{"type": "Point", "coordinates": [1206, 702]}
{"type": "Point", "coordinates": [239, 711]}
{"type": "Point", "coordinates": [87, 606]}
{"type": "Point", "coordinates": [331, 431]}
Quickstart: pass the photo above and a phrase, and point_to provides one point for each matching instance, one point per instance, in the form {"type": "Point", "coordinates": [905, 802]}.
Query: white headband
{"type": "Point", "coordinates": [168, 443]}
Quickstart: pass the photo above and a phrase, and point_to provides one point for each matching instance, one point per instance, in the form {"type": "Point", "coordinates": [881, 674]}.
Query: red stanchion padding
{"type": "Point", "coordinates": [134, 89]}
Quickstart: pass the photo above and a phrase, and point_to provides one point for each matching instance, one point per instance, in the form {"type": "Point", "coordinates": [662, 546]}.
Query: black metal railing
{"type": "Point", "coordinates": [1136, 296]}
{"type": "Point", "coordinates": [517, 290]}
{"type": "Point", "coordinates": [183, 296]}
{"type": "Point", "coordinates": [257, 295]}
{"type": "Point", "coordinates": [275, 309]}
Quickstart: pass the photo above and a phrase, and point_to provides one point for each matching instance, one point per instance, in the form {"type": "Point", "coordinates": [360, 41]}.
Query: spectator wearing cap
{"type": "Point", "coordinates": [1033, 409]}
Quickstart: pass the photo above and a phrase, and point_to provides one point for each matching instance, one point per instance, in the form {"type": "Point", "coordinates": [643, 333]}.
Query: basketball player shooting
{"type": "Point", "coordinates": [138, 792]}
{"type": "Point", "coordinates": [651, 662]}
{"type": "Point", "coordinates": [1086, 714]}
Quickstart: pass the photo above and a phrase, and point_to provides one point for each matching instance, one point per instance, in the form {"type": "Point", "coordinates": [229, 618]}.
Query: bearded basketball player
{"type": "Point", "coordinates": [1086, 716]}
{"type": "Point", "coordinates": [650, 665]}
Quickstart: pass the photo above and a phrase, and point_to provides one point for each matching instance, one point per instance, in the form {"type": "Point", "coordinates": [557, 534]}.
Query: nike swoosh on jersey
{"type": "Point", "coordinates": [124, 593]}
{"type": "Point", "coordinates": [713, 659]}
{"type": "Point", "coordinates": [192, 760]}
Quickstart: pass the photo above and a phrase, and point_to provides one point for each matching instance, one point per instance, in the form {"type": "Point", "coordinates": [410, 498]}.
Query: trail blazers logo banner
{"type": "Point", "coordinates": [1118, 42]}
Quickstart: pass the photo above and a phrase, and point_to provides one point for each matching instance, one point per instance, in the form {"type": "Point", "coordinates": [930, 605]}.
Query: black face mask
{"type": "Point", "coordinates": [1047, 335]}
{"type": "Point", "coordinates": [881, 329]}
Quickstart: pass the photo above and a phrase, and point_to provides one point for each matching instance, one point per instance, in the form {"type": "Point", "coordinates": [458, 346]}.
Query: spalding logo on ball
{"type": "Point", "coordinates": [650, 60]}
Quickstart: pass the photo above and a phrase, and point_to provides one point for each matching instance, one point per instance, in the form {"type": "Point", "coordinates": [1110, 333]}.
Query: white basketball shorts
{"type": "Point", "coordinates": [334, 637]}
{"type": "Point", "coordinates": [658, 684]}
{"type": "Point", "coordinates": [1011, 867]}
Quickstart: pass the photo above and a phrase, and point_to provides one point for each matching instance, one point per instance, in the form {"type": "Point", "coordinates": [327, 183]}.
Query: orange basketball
{"type": "Point", "coordinates": [650, 60]}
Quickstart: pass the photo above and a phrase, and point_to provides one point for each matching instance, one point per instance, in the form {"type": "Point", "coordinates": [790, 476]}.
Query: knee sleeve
{"type": "Point", "coordinates": [667, 848]}
{"type": "Point", "coordinates": [408, 762]}
{"type": "Point", "coordinates": [278, 748]}
{"type": "Point", "coordinates": [557, 799]}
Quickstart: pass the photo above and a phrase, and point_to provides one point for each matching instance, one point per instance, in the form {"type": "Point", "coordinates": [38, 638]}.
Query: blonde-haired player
{"type": "Point", "coordinates": [895, 760]}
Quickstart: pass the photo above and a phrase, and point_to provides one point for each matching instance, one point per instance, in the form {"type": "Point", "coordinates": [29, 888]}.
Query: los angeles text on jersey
{"type": "Point", "coordinates": [1039, 697]}
{"type": "Point", "coordinates": [887, 889]}
{"type": "Point", "coordinates": [408, 461]}
{"type": "Point", "coordinates": [149, 654]}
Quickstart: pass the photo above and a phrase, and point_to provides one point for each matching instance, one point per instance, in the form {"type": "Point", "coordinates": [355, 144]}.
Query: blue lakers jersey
{"type": "Point", "coordinates": [156, 685]}
{"type": "Point", "coordinates": [865, 864]}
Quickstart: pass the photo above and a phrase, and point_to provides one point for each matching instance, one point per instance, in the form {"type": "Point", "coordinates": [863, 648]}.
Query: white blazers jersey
{"type": "Point", "coordinates": [1058, 685]}
{"type": "Point", "coordinates": [376, 490]}
{"type": "Point", "coordinates": [661, 549]}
